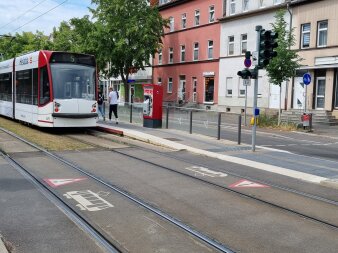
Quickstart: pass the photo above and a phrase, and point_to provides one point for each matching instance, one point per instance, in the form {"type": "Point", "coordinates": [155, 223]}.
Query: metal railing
{"type": "Point", "coordinates": [192, 120]}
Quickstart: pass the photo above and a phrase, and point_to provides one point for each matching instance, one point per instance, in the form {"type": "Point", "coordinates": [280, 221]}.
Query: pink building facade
{"type": "Point", "coordinates": [188, 64]}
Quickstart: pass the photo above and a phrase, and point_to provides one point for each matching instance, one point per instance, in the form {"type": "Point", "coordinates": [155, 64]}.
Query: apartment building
{"type": "Point", "coordinates": [316, 31]}
{"type": "Point", "coordinates": [238, 35]}
{"type": "Point", "coordinates": [188, 65]}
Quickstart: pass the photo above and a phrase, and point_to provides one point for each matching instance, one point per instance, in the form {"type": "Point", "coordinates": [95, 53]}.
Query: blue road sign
{"type": "Point", "coordinates": [247, 63]}
{"type": "Point", "coordinates": [306, 78]}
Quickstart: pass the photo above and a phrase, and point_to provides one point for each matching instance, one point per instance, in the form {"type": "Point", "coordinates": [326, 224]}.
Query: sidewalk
{"type": "Point", "coordinates": [2, 246]}
{"type": "Point", "coordinates": [266, 159]}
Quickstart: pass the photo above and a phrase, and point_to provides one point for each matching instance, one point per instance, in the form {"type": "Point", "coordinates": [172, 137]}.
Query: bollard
{"type": "Point", "coordinates": [131, 113]}
{"type": "Point", "coordinates": [191, 122]}
{"type": "Point", "coordinates": [104, 111]}
{"type": "Point", "coordinates": [310, 122]}
{"type": "Point", "coordinates": [219, 127]}
{"type": "Point", "coordinates": [167, 117]}
{"type": "Point", "coordinates": [239, 129]}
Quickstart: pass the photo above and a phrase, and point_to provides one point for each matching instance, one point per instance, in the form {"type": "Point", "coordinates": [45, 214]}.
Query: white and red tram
{"type": "Point", "coordinates": [50, 89]}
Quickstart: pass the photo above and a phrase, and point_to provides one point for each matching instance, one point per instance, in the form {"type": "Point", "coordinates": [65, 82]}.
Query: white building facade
{"type": "Point", "coordinates": [238, 35]}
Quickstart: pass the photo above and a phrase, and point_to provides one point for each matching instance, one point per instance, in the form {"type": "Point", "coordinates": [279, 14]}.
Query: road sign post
{"type": "Point", "coordinates": [306, 81]}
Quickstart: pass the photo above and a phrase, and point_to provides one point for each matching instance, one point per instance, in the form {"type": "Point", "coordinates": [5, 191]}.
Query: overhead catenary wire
{"type": "Point", "coordinates": [40, 15]}
{"type": "Point", "coordinates": [21, 15]}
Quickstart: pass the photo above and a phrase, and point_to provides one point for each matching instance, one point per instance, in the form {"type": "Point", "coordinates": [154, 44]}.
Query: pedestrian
{"type": "Point", "coordinates": [100, 104]}
{"type": "Point", "coordinates": [113, 98]}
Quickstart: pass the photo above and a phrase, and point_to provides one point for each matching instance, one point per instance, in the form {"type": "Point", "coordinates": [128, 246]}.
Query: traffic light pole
{"type": "Point", "coordinates": [258, 30]}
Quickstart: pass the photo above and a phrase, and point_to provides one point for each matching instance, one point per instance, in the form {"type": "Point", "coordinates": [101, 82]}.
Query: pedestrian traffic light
{"type": "Point", "coordinates": [248, 73]}
{"type": "Point", "coordinates": [245, 74]}
{"type": "Point", "coordinates": [267, 44]}
{"type": "Point", "coordinates": [248, 55]}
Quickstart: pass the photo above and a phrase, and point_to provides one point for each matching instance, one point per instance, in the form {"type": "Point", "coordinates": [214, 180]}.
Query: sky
{"type": "Point", "coordinates": [17, 16]}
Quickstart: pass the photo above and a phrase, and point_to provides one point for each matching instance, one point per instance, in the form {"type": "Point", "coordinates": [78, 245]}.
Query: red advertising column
{"type": "Point", "coordinates": [152, 105]}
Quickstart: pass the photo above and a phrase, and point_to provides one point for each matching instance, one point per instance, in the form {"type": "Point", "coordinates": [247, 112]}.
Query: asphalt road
{"type": "Point", "coordinates": [296, 142]}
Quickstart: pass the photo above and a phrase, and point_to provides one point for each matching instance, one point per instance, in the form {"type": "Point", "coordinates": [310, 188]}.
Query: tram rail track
{"type": "Point", "coordinates": [101, 239]}
{"type": "Point", "coordinates": [186, 227]}
{"type": "Point", "coordinates": [276, 186]}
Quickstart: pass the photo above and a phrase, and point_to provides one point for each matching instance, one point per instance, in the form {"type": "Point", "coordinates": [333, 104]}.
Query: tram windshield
{"type": "Point", "coordinates": [73, 81]}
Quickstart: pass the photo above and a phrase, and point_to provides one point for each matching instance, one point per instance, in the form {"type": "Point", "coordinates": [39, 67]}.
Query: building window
{"type": "Point", "coordinates": [159, 80]}
{"type": "Point", "coordinates": [245, 5]}
{"type": "Point", "coordinates": [228, 87]}
{"type": "Point", "coordinates": [194, 89]}
{"type": "Point", "coordinates": [210, 49]}
{"type": "Point", "coordinates": [170, 85]}
{"type": "Point", "coordinates": [305, 35]}
{"type": "Point", "coordinates": [182, 53]}
{"type": "Point", "coordinates": [196, 51]}
{"type": "Point", "coordinates": [211, 13]}
{"type": "Point", "coordinates": [277, 1]}
{"type": "Point", "coordinates": [171, 55]}
{"type": "Point", "coordinates": [322, 33]}
{"type": "Point", "coordinates": [241, 87]}
{"type": "Point", "coordinates": [160, 56]}
{"type": "Point", "coordinates": [231, 45]}
{"type": "Point", "coordinates": [184, 21]}
{"type": "Point", "coordinates": [244, 43]}
{"type": "Point", "coordinates": [232, 7]}
{"type": "Point", "coordinates": [197, 18]}
{"type": "Point", "coordinates": [261, 3]}
{"type": "Point", "coordinates": [171, 24]}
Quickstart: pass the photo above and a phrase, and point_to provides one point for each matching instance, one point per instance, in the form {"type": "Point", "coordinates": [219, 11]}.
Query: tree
{"type": "Point", "coordinates": [23, 43]}
{"type": "Point", "coordinates": [283, 67]}
{"type": "Point", "coordinates": [129, 34]}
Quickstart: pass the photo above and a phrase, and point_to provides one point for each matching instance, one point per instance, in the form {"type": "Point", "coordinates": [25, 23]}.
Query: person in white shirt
{"type": "Point", "coordinates": [113, 101]}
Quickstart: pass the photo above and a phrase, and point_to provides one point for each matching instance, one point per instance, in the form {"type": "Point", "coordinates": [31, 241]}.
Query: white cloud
{"type": "Point", "coordinates": [13, 14]}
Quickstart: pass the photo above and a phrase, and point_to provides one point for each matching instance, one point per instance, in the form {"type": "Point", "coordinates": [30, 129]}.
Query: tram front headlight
{"type": "Point", "coordinates": [94, 108]}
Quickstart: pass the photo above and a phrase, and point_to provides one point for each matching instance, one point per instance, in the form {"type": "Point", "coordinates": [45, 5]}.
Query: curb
{"type": "Point", "coordinates": [3, 249]}
{"type": "Point", "coordinates": [245, 162]}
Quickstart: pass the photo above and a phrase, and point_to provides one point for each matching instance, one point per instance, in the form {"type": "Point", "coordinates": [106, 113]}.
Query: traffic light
{"type": "Point", "coordinates": [248, 55]}
{"type": "Point", "coordinates": [248, 73]}
{"type": "Point", "coordinates": [267, 44]}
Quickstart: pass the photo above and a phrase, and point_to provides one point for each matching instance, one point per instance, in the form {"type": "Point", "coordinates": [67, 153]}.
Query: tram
{"type": "Point", "coordinates": [50, 89]}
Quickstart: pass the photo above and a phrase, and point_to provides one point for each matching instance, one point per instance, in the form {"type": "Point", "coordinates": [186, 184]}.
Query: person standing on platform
{"type": "Point", "coordinates": [101, 104]}
{"type": "Point", "coordinates": [113, 100]}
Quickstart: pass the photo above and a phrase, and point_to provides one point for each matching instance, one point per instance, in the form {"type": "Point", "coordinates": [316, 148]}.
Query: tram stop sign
{"type": "Point", "coordinates": [306, 78]}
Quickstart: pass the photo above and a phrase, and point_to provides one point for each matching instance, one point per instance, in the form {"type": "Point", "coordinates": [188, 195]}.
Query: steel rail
{"type": "Point", "coordinates": [212, 242]}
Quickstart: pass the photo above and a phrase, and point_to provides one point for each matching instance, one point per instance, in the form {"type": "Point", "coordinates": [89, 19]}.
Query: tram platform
{"type": "Point", "coordinates": [322, 172]}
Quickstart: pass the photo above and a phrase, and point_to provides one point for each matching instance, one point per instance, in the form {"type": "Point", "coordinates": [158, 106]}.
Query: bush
{"type": "Point", "coordinates": [271, 121]}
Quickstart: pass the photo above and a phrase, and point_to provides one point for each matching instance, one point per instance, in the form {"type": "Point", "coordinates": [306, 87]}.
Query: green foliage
{"type": "Point", "coordinates": [271, 121]}
{"type": "Point", "coordinates": [130, 34]}
{"type": "Point", "coordinates": [284, 65]}
{"type": "Point", "coordinates": [23, 43]}
{"type": "Point", "coordinates": [123, 37]}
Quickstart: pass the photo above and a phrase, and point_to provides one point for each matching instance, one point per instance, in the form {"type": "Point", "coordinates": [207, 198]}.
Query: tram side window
{"type": "Point", "coordinates": [44, 86]}
{"type": "Point", "coordinates": [24, 80]}
{"type": "Point", "coordinates": [35, 86]}
{"type": "Point", "coordinates": [6, 86]}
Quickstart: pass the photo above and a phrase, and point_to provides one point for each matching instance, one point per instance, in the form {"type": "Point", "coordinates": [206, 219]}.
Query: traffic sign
{"type": "Point", "coordinates": [246, 82]}
{"type": "Point", "coordinates": [254, 58]}
{"type": "Point", "coordinates": [247, 63]}
{"type": "Point", "coordinates": [306, 78]}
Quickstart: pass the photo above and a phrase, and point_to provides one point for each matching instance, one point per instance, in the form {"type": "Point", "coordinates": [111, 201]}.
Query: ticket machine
{"type": "Point", "coordinates": [152, 105]}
